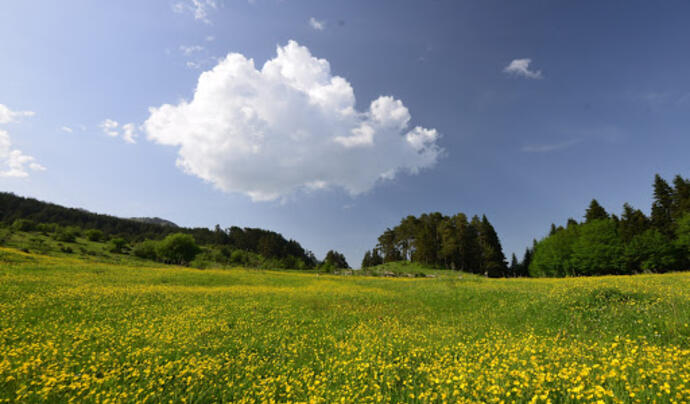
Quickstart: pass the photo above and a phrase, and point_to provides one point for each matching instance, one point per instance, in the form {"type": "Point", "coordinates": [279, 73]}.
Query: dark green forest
{"type": "Point", "coordinates": [605, 243]}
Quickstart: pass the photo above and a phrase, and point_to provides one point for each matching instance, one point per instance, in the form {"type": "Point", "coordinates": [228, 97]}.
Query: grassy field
{"type": "Point", "coordinates": [105, 332]}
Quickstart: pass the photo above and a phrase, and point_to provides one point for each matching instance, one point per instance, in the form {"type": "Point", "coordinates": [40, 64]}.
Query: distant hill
{"type": "Point", "coordinates": [266, 243]}
{"type": "Point", "coordinates": [154, 220]}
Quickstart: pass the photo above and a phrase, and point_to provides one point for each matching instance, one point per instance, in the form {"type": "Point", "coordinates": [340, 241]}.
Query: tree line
{"type": "Point", "coordinates": [608, 244]}
{"type": "Point", "coordinates": [439, 241]}
{"type": "Point", "coordinates": [235, 245]}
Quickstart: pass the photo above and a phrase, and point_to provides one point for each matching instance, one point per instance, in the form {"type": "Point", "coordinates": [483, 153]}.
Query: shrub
{"type": "Point", "coordinates": [146, 250]}
{"type": "Point", "coordinates": [117, 245]}
{"type": "Point", "coordinates": [177, 248]}
{"type": "Point", "coordinates": [67, 234]}
{"type": "Point", "coordinates": [24, 225]}
{"type": "Point", "coordinates": [94, 235]}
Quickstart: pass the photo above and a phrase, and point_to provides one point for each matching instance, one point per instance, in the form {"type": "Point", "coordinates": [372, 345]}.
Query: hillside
{"type": "Point", "coordinates": [99, 332]}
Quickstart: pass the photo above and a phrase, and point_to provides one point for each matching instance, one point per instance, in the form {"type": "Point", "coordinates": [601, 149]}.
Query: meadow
{"type": "Point", "coordinates": [89, 331]}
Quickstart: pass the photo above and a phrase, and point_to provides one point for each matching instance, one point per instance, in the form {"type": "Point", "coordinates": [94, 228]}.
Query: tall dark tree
{"type": "Point", "coordinates": [681, 197]}
{"type": "Point", "coordinates": [632, 223]}
{"type": "Point", "coordinates": [661, 207]}
{"type": "Point", "coordinates": [493, 260]}
{"type": "Point", "coordinates": [336, 260]}
{"type": "Point", "coordinates": [366, 261]}
{"type": "Point", "coordinates": [470, 248]}
{"type": "Point", "coordinates": [514, 268]}
{"type": "Point", "coordinates": [595, 212]}
{"type": "Point", "coordinates": [388, 246]}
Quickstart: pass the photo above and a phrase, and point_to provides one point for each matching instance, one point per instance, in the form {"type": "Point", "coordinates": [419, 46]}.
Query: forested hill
{"type": "Point", "coordinates": [31, 213]}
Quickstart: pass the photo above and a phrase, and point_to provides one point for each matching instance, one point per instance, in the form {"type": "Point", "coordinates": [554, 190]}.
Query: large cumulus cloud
{"type": "Point", "coordinates": [288, 126]}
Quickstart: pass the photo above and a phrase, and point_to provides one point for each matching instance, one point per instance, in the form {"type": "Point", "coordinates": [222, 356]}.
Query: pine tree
{"type": "Point", "coordinates": [514, 266]}
{"type": "Point", "coordinates": [595, 212]}
{"type": "Point", "coordinates": [632, 223]}
{"type": "Point", "coordinates": [366, 261]}
{"type": "Point", "coordinates": [526, 261]}
{"type": "Point", "coordinates": [494, 262]}
{"type": "Point", "coordinates": [661, 207]}
{"type": "Point", "coordinates": [681, 197]}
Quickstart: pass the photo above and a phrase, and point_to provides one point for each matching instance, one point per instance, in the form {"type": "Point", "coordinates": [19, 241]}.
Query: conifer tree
{"type": "Point", "coordinates": [595, 212]}
{"type": "Point", "coordinates": [494, 262]}
{"type": "Point", "coordinates": [661, 207]}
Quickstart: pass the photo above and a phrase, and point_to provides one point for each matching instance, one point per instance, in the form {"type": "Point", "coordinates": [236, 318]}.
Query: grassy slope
{"type": "Point", "coordinates": [96, 331]}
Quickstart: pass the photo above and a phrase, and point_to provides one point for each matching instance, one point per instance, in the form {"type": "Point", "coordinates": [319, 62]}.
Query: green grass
{"type": "Point", "coordinates": [93, 331]}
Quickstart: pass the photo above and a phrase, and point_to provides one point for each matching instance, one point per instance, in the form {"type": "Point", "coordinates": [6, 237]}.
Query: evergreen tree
{"type": "Point", "coordinates": [376, 258]}
{"type": "Point", "coordinates": [366, 261]}
{"type": "Point", "coordinates": [493, 260]}
{"type": "Point", "coordinates": [514, 268]}
{"type": "Point", "coordinates": [595, 212]}
{"type": "Point", "coordinates": [387, 246]}
{"type": "Point", "coordinates": [526, 261]}
{"type": "Point", "coordinates": [661, 207]}
{"type": "Point", "coordinates": [681, 197]}
{"type": "Point", "coordinates": [632, 223]}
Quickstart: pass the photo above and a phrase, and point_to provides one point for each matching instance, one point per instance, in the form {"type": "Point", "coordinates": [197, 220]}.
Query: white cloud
{"type": "Point", "coordinates": [520, 67]}
{"type": "Point", "coordinates": [288, 126]}
{"type": "Point", "coordinates": [66, 129]}
{"type": "Point", "coordinates": [545, 148]}
{"type": "Point", "coordinates": [210, 38]}
{"type": "Point", "coordinates": [188, 50]}
{"type": "Point", "coordinates": [198, 8]}
{"type": "Point", "coordinates": [14, 163]}
{"type": "Point", "coordinates": [316, 24]}
{"type": "Point", "coordinates": [111, 128]}
{"type": "Point", "coordinates": [129, 133]}
{"type": "Point", "coordinates": [7, 115]}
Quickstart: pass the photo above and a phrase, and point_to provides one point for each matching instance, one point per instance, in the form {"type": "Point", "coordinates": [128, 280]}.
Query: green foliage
{"type": "Point", "coordinates": [118, 245]}
{"type": "Point", "coordinates": [595, 212]}
{"type": "Point", "coordinates": [67, 234]}
{"type": "Point", "coordinates": [598, 249]}
{"type": "Point", "coordinates": [335, 260]}
{"type": "Point", "coordinates": [94, 235]}
{"type": "Point", "coordinates": [552, 254]}
{"type": "Point", "coordinates": [650, 251]}
{"type": "Point", "coordinates": [177, 248]}
{"type": "Point", "coordinates": [24, 225]}
{"type": "Point", "coordinates": [435, 240]}
{"type": "Point", "coordinates": [147, 249]}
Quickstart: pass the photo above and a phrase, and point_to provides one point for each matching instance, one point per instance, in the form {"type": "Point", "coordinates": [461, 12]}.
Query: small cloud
{"type": "Point", "coordinates": [210, 38]}
{"type": "Point", "coordinates": [7, 115]}
{"type": "Point", "coordinates": [198, 8]}
{"type": "Point", "coordinates": [13, 162]}
{"type": "Point", "coordinates": [129, 132]}
{"type": "Point", "coordinates": [188, 50]}
{"type": "Point", "coordinates": [545, 148]}
{"type": "Point", "coordinates": [110, 128]}
{"type": "Point", "coordinates": [66, 129]}
{"type": "Point", "coordinates": [520, 67]}
{"type": "Point", "coordinates": [316, 24]}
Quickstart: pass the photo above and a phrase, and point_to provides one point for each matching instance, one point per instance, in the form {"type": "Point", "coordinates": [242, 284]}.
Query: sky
{"type": "Point", "coordinates": [329, 121]}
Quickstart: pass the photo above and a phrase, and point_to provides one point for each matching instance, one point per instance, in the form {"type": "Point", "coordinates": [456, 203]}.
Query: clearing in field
{"type": "Point", "coordinates": [71, 329]}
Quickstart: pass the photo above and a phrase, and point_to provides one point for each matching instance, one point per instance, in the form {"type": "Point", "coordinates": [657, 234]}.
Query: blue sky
{"type": "Point", "coordinates": [602, 105]}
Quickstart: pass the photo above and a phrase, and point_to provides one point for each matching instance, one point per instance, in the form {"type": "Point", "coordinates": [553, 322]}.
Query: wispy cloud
{"type": "Point", "coordinates": [7, 115]}
{"type": "Point", "coordinates": [520, 67]}
{"type": "Point", "coordinates": [545, 148]}
{"type": "Point", "coordinates": [66, 129]}
{"type": "Point", "coordinates": [189, 49]}
{"type": "Point", "coordinates": [198, 8]}
{"type": "Point", "coordinates": [13, 162]}
{"type": "Point", "coordinates": [111, 128]}
{"type": "Point", "coordinates": [316, 24]}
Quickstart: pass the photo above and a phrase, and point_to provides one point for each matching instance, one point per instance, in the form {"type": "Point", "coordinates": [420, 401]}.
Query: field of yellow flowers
{"type": "Point", "coordinates": [81, 331]}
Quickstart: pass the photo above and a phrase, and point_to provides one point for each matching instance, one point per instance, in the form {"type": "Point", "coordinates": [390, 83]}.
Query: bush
{"type": "Point", "coordinates": [67, 234]}
{"type": "Point", "coordinates": [94, 235]}
{"type": "Point", "coordinates": [177, 248]}
{"type": "Point", "coordinates": [24, 225]}
{"type": "Point", "coordinates": [146, 250]}
{"type": "Point", "coordinates": [117, 245]}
